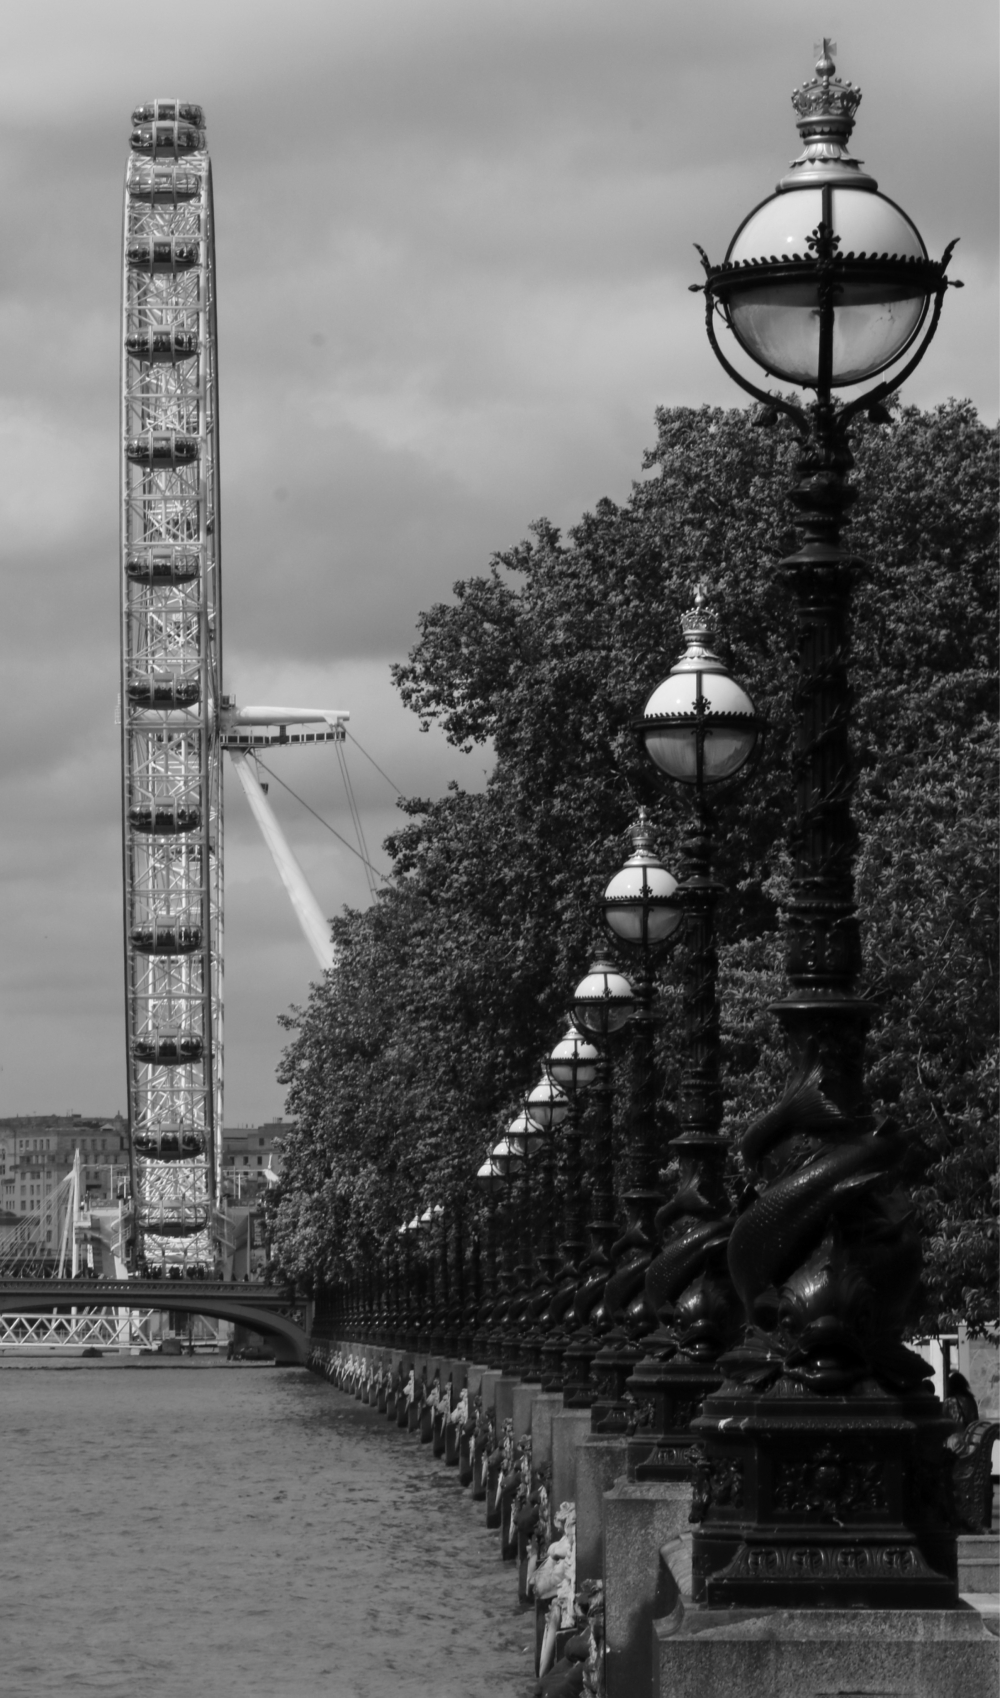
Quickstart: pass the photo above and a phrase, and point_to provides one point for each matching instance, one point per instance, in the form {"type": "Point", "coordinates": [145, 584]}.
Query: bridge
{"type": "Point", "coordinates": [266, 1309]}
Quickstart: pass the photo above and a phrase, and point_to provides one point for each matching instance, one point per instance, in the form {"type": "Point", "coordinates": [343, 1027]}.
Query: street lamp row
{"type": "Point", "coordinates": [820, 1475]}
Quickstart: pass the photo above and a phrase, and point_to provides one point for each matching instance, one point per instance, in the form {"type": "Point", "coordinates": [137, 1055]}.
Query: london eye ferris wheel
{"type": "Point", "coordinates": [175, 719]}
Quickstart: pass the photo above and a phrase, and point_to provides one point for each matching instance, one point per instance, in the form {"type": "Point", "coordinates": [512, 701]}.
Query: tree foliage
{"type": "Point", "coordinates": [409, 1055]}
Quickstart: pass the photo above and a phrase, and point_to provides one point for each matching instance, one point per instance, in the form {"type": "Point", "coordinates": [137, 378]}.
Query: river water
{"type": "Point", "coordinates": [208, 1532]}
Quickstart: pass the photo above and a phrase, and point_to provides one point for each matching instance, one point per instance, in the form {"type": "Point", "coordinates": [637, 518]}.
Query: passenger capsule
{"type": "Point", "coordinates": [162, 253]}
{"type": "Point", "coordinates": [167, 1049]}
{"type": "Point", "coordinates": [165, 1225]}
{"type": "Point", "coordinates": [170, 1144]}
{"type": "Point", "coordinates": [169, 112]}
{"type": "Point", "coordinates": [159, 183]}
{"type": "Point", "coordinates": [162, 448]}
{"type": "Point", "coordinates": [167, 934]}
{"type": "Point", "coordinates": [162, 344]}
{"type": "Point", "coordinates": [163, 566]}
{"type": "Point", "coordinates": [164, 689]}
{"type": "Point", "coordinates": [165, 819]}
{"type": "Point", "coordinates": [166, 137]}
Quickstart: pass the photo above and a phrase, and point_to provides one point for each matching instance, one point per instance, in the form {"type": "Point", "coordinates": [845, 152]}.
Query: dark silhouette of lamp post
{"type": "Point", "coordinates": [414, 1286]}
{"type": "Point", "coordinates": [508, 1159]}
{"type": "Point", "coordinates": [603, 1003]}
{"type": "Point", "coordinates": [524, 1136]}
{"type": "Point", "coordinates": [642, 910]}
{"type": "Point", "coordinates": [491, 1182]}
{"type": "Point", "coordinates": [546, 1106]}
{"type": "Point", "coordinates": [401, 1286]}
{"type": "Point", "coordinates": [824, 1476]}
{"type": "Point", "coordinates": [701, 730]}
{"type": "Point", "coordinates": [572, 1064]}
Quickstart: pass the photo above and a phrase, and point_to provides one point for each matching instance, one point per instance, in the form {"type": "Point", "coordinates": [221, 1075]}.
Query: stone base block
{"type": "Point", "coordinates": [474, 1378]}
{"type": "Point", "coordinates": [638, 1519]}
{"type": "Point", "coordinates": [569, 1429]}
{"type": "Point", "coordinates": [504, 1388]}
{"type": "Point", "coordinates": [547, 1405]}
{"type": "Point", "coordinates": [459, 1371]}
{"type": "Point", "coordinates": [524, 1398]}
{"type": "Point", "coordinates": [819, 1653]}
{"type": "Point", "coordinates": [979, 1562]}
{"type": "Point", "coordinates": [600, 1462]}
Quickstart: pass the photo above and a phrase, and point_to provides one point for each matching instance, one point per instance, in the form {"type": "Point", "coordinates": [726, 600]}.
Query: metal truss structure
{"type": "Point", "coordinates": [171, 642]}
{"type": "Point", "coordinates": [175, 720]}
{"type": "Point", "coordinates": [27, 1249]}
{"type": "Point", "coordinates": [52, 1329]}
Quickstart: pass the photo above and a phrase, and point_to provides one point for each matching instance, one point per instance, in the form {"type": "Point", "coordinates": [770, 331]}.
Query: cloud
{"type": "Point", "coordinates": [454, 243]}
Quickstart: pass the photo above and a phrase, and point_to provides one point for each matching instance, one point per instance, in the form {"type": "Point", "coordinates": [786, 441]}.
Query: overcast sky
{"type": "Point", "coordinates": [453, 243]}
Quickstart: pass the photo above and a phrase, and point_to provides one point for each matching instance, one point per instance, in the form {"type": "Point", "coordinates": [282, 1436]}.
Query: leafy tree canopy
{"type": "Point", "coordinates": [408, 1057]}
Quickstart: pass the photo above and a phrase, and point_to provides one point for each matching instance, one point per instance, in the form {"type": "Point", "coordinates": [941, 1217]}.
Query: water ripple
{"type": "Point", "coordinates": [239, 1534]}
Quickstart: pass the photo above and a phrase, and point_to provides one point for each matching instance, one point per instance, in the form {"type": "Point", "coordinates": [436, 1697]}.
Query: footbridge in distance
{"type": "Point", "coordinates": [266, 1309]}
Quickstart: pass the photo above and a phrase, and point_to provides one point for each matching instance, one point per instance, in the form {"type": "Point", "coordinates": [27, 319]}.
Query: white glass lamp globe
{"type": "Point", "coordinates": [826, 283]}
{"type": "Point", "coordinates": [489, 1175]}
{"type": "Point", "coordinates": [774, 303]}
{"type": "Point", "coordinates": [573, 1061]}
{"type": "Point", "coordinates": [506, 1157]}
{"type": "Point", "coordinates": [641, 904]}
{"type": "Point", "coordinates": [699, 726]}
{"type": "Point", "coordinates": [524, 1134]}
{"type": "Point", "coordinates": [603, 1001]}
{"type": "Point", "coordinates": [547, 1105]}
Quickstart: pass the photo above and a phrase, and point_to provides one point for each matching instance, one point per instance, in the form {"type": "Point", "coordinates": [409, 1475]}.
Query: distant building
{"type": "Point", "coordinates": [37, 1152]}
{"type": "Point", "coordinates": [249, 1154]}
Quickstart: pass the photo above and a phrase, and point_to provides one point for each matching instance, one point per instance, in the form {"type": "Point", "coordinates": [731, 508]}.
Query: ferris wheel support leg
{"type": "Point", "coordinates": [308, 912]}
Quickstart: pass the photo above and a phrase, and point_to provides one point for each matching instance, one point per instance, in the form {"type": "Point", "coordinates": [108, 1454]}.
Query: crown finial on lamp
{"type": "Point", "coordinates": [826, 107]}
{"type": "Point", "coordinates": [641, 832]}
{"type": "Point", "coordinates": [698, 622]}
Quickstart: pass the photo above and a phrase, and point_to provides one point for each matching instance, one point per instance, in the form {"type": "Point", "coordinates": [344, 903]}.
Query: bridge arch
{"type": "Point", "coordinates": [265, 1311]}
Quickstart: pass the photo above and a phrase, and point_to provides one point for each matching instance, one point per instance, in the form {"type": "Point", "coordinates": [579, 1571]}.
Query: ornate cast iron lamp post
{"type": "Point", "coordinates": [824, 1478]}
{"type": "Point", "coordinates": [491, 1183]}
{"type": "Point", "coordinates": [546, 1106]}
{"type": "Point", "coordinates": [572, 1065]}
{"type": "Point", "coordinates": [603, 1002]}
{"type": "Point", "coordinates": [700, 729]}
{"type": "Point", "coordinates": [398, 1338]}
{"type": "Point", "coordinates": [414, 1287]}
{"type": "Point", "coordinates": [642, 910]}
{"type": "Point", "coordinates": [437, 1255]}
{"type": "Point", "coordinates": [507, 1158]}
{"type": "Point", "coordinates": [524, 1136]}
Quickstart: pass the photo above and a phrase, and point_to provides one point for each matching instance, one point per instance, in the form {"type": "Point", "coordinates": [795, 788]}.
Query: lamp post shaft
{"type": "Point", "coordinates": [823, 1474]}
{"type": "Point", "coordinates": [699, 1099]}
{"type": "Point", "coordinates": [590, 1318]}
{"type": "Point", "coordinates": [572, 1248]}
{"type": "Point", "coordinates": [546, 1261]}
{"type": "Point", "coordinates": [624, 1300]}
{"type": "Point", "coordinates": [488, 1283]}
{"type": "Point", "coordinates": [687, 1285]}
{"type": "Point", "coordinates": [824, 1018]}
